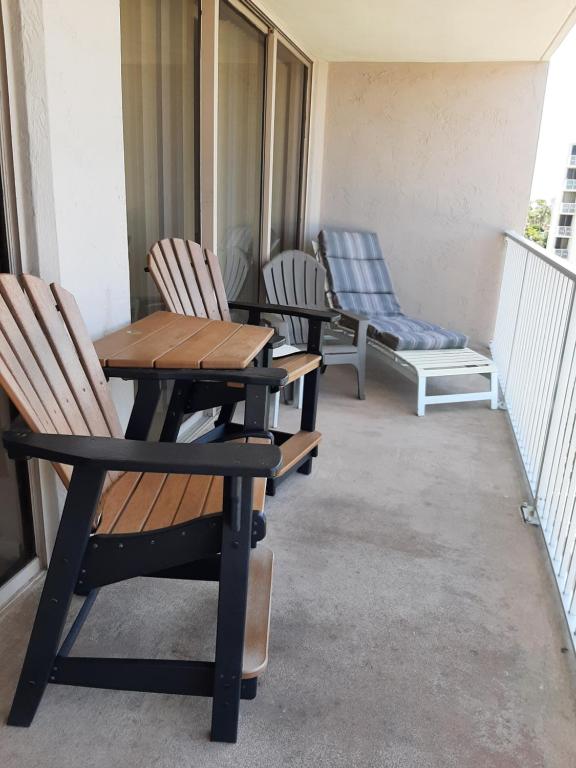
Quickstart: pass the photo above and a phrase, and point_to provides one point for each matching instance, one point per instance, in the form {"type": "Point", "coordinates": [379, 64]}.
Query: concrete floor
{"type": "Point", "coordinates": [415, 621]}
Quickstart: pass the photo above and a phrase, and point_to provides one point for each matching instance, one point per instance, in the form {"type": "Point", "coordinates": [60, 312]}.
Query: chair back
{"type": "Point", "coordinates": [295, 279]}
{"type": "Point", "coordinates": [188, 279]}
{"type": "Point", "coordinates": [357, 273]}
{"type": "Point", "coordinates": [48, 365]}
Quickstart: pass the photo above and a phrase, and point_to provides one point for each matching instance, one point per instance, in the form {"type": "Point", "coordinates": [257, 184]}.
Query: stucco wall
{"type": "Point", "coordinates": [438, 160]}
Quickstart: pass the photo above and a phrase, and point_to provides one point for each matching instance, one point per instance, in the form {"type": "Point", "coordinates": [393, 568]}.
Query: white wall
{"type": "Point", "coordinates": [438, 160]}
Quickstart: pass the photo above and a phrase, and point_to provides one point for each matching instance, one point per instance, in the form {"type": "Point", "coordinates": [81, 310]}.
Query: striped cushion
{"type": "Point", "coordinates": [400, 332]}
{"type": "Point", "coordinates": [359, 277]}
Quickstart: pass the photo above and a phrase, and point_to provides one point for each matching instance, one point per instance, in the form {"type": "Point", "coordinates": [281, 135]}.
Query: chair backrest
{"type": "Point", "coordinates": [295, 279]}
{"type": "Point", "coordinates": [234, 273]}
{"type": "Point", "coordinates": [48, 365]}
{"type": "Point", "coordinates": [188, 279]}
{"type": "Point", "coordinates": [357, 273]}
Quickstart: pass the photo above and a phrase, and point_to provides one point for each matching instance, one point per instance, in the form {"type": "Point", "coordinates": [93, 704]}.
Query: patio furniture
{"type": "Point", "coordinates": [133, 508]}
{"type": "Point", "coordinates": [359, 281]}
{"type": "Point", "coordinates": [189, 281]}
{"type": "Point", "coordinates": [297, 279]}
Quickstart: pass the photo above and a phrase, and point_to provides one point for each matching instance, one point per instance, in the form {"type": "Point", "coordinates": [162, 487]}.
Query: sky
{"type": "Point", "coordinates": [558, 129]}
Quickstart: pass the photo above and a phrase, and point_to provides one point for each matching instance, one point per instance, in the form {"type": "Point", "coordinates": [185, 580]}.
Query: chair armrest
{"type": "Point", "coordinates": [109, 453]}
{"type": "Point", "coordinates": [327, 315]}
{"type": "Point", "coordinates": [358, 324]}
{"type": "Point", "coordinates": [354, 317]}
{"type": "Point", "coordinates": [271, 377]}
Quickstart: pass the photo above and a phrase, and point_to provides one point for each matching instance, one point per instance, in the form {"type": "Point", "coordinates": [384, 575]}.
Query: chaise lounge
{"type": "Point", "coordinates": [359, 282]}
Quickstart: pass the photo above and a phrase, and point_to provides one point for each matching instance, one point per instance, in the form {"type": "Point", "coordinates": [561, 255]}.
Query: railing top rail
{"type": "Point", "coordinates": [554, 261]}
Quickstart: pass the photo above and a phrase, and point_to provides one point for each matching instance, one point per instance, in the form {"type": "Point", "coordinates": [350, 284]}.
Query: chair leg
{"type": "Point", "coordinates": [361, 375]}
{"type": "Point", "coordinates": [298, 393]}
{"type": "Point", "coordinates": [275, 410]}
{"type": "Point", "coordinates": [71, 542]}
{"type": "Point", "coordinates": [421, 395]}
{"type": "Point", "coordinates": [494, 391]}
{"type": "Point", "coordinates": [232, 598]}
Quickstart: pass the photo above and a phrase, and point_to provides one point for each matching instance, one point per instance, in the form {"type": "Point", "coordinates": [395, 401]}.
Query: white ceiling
{"type": "Point", "coordinates": [425, 30]}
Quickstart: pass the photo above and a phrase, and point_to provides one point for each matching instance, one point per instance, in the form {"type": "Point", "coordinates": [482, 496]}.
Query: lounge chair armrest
{"type": "Point", "coordinates": [108, 453]}
{"type": "Point", "coordinates": [326, 315]}
{"type": "Point", "coordinates": [344, 313]}
{"type": "Point", "coordinates": [271, 377]}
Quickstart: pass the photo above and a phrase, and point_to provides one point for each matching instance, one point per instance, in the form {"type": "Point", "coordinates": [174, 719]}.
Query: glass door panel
{"type": "Point", "coordinates": [290, 106]}
{"type": "Point", "coordinates": [160, 73]}
{"type": "Point", "coordinates": [241, 66]}
{"type": "Point", "coordinates": [17, 546]}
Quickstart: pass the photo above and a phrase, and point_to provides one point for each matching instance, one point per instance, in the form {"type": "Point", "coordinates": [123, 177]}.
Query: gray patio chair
{"type": "Point", "coordinates": [359, 282]}
{"type": "Point", "coordinates": [296, 279]}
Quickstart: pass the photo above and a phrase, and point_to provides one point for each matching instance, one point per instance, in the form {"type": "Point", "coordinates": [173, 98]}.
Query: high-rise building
{"type": "Point", "coordinates": [562, 236]}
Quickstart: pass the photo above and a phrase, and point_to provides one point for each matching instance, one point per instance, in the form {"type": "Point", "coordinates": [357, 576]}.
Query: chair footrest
{"type": "Point", "coordinates": [258, 612]}
{"type": "Point", "coordinates": [296, 447]}
{"type": "Point", "coordinates": [297, 366]}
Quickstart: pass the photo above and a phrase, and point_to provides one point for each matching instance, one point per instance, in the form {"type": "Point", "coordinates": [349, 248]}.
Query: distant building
{"type": "Point", "coordinates": [562, 236]}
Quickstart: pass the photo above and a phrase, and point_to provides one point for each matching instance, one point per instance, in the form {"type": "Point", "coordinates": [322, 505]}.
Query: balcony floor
{"type": "Point", "coordinates": [415, 622]}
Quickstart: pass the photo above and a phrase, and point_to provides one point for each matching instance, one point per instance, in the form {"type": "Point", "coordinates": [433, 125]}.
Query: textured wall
{"type": "Point", "coordinates": [438, 159]}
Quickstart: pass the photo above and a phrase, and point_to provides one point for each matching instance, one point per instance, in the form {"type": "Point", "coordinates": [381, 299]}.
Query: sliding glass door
{"type": "Point", "coordinates": [287, 175]}
{"type": "Point", "coordinates": [160, 50]}
{"type": "Point", "coordinates": [241, 71]}
{"type": "Point", "coordinates": [228, 74]}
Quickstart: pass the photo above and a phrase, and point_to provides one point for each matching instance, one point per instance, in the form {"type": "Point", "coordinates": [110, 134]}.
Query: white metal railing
{"type": "Point", "coordinates": [535, 349]}
{"type": "Point", "coordinates": [564, 230]}
{"type": "Point", "coordinates": [568, 207]}
{"type": "Point", "coordinates": [570, 184]}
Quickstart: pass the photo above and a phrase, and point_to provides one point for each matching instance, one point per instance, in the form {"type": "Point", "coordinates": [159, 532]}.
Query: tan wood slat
{"type": "Point", "coordinates": [156, 275]}
{"type": "Point", "coordinates": [218, 283]}
{"type": "Point", "coordinates": [159, 258]}
{"type": "Point", "coordinates": [239, 350]}
{"type": "Point", "coordinates": [87, 354]}
{"type": "Point", "coordinates": [204, 280]}
{"type": "Point", "coordinates": [194, 498]}
{"type": "Point", "coordinates": [62, 345]}
{"type": "Point", "coordinates": [258, 604]}
{"type": "Point", "coordinates": [182, 251]}
{"type": "Point", "coordinates": [114, 500]}
{"type": "Point", "coordinates": [114, 343]}
{"type": "Point", "coordinates": [214, 500]}
{"type": "Point", "coordinates": [145, 352]}
{"type": "Point", "coordinates": [192, 352]}
{"type": "Point", "coordinates": [297, 365]}
{"type": "Point", "coordinates": [140, 504]}
{"type": "Point", "coordinates": [167, 503]}
{"type": "Point", "coordinates": [167, 247]}
{"type": "Point", "coordinates": [296, 447]}
{"type": "Point", "coordinates": [21, 391]}
{"type": "Point", "coordinates": [40, 347]}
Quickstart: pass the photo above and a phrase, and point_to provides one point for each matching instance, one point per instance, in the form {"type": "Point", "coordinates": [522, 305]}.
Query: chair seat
{"type": "Point", "coordinates": [145, 501]}
{"type": "Point", "coordinates": [400, 332]}
{"type": "Point", "coordinates": [297, 365]}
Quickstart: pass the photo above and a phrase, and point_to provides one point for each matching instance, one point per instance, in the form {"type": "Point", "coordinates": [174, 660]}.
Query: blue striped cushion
{"type": "Point", "coordinates": [400, 332]}
{"type": "Point", "coordinates": [359, 277]}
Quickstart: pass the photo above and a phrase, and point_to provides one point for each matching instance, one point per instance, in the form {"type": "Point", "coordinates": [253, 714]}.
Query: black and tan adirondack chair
{"type": "Point", "coordinates": [190, 282]}
{"type": "Point", "coordinates": [133, 508]}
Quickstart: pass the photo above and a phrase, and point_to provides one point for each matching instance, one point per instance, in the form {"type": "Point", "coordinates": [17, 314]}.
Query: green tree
{"type": "Point", "coordinates": [538, 222]}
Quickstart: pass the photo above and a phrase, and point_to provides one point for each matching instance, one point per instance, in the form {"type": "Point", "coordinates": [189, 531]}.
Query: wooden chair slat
{"type": "Point", "coordinates": [218, 283]}
{"type": "Point", "coordinates": [240, 346]}
{"type": "Point", "coordinates": [160, 284]}
{"type": "Point", "coordinates": [194, 498]}
{"type": "Point", "coordinates": [115, 343]}
{"type": "Point", "coordinates": [183, 255]}
{"type": "Point", "coordinates": [204, 280]}
{"type": "Point", "coordinates": [159, 257]}
{"type": "Point", "coordinates": [298, 365]}
{"type": "Point", "coordinates": [173, 266]}
{"type": "Point", "coordinates": [167, 503]}
{"type": "Point", "coordinates": [192, 352]}
{"type": "Point", "coordinates": [113, 501]}
{"type": "Point", "coordinates": [87, 354]}
{"type": "Point", "coordinates": [140, 504]}
{"type": "Point", "coordinates": [144, 353]}
{"type": "Point", "coordinates": [45, 358]}
{"type": "Point", "coordinates": [54, 327]}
